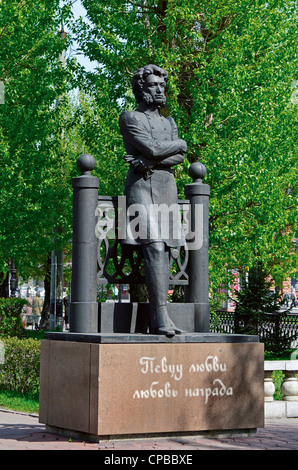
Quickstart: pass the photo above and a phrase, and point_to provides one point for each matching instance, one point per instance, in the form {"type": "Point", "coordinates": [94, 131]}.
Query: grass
{"type": "Point", "coordinates": [19, 402]}
{"type": "Point", "coordinates": [26, 403]}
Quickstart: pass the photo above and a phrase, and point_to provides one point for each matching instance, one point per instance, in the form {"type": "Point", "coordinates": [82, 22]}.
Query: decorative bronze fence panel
{"type": "Point", "coordinates": [123, 264]}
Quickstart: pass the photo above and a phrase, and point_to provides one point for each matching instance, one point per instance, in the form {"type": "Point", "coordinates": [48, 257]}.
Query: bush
{"type": "Point", "coordinates": [20, 370]}
{"type": "Point", "coordinates": [11, 312]}
{"type": "Point", "coordinates": [278, 377]}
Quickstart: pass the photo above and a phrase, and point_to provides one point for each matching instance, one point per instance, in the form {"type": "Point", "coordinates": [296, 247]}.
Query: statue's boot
{"type": "Point", "coordinates": [162, 323]}
{"type": "Point", "coordinates": [156, 258]}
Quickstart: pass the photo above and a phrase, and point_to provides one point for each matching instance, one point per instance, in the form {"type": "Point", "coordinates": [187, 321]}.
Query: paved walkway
{"type": "Point", "coordinates": [24, 432]}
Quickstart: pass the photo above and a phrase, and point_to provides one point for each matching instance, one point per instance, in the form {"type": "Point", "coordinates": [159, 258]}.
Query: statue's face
{"type": "Point", "coordinates": [155, 86]}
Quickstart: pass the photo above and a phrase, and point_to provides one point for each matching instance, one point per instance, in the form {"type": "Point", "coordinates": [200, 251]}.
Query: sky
{"type": "Point", "coordinates": [79, 10]}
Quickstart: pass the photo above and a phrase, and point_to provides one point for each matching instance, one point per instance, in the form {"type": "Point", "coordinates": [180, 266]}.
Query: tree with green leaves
{"type": "Point", "coordinates": [231, 66]}
{"type": "Point", "coordinates": [39, 143]}
{"type": "Point", "coordinates": [37, 157]}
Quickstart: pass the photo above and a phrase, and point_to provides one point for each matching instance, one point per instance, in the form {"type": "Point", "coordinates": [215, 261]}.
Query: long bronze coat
{"type": "Point", "coordinates": [146, 133]}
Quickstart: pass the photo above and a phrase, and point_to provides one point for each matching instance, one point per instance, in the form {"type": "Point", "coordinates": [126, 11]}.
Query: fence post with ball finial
{"type": "Point", "coordinates": [83, 305]}
{"type": "Point", "coordinates": [197, 291]}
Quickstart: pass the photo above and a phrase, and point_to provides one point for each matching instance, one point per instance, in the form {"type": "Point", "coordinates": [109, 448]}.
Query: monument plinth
{"type": "Point", "coordinates": [109, 389]}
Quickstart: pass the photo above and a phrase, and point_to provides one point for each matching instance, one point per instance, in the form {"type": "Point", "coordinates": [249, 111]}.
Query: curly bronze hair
{"type": "Point", "coordinates": [139, 78]}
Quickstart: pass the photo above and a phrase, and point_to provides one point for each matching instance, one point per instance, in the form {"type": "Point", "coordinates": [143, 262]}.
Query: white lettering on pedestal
{"type": "Point", "coordinates": [210, 365]}
{"type": "Point", "coordinates": [154, 392]}
{"type": "Point", "coordinates": [151, 365]}
{"type": "Point", "coordinates": [218, 390]}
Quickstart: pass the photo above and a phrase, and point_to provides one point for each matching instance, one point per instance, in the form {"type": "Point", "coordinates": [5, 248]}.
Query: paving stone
{"type": "Point", "coordinates": [24, 432]}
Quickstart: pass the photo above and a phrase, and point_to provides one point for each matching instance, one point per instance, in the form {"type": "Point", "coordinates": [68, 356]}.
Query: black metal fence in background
{"type": "Point", "coordinates": [283, 325]}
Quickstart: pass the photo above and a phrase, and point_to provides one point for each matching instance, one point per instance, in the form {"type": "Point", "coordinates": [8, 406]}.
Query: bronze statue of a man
{"type": "Point", "coordinates": [153, 147]}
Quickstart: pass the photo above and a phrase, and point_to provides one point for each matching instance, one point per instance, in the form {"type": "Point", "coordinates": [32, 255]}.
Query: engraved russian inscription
{"type": "Point", "coordinates": [157, 368]}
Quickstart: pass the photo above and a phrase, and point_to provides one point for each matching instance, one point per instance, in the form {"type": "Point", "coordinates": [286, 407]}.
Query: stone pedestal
{"type": "Point", "coordinates": [112, 386]}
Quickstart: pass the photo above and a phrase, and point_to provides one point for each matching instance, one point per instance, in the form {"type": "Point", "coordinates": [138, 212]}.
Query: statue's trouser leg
{"type": "Point", "coordinates": [156, 256]}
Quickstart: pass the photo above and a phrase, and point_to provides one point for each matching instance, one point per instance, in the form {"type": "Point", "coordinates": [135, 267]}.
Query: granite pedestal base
{"type": "Point", "coordinates": [109, 386]}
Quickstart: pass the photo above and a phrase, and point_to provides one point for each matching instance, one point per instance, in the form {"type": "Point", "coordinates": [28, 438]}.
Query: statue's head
{"type": "Point", "coordinates": [143, 81]}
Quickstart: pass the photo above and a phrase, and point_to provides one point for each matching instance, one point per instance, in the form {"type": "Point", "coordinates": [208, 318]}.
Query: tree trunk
{"type": "Point", "coordinates": [45, 314]}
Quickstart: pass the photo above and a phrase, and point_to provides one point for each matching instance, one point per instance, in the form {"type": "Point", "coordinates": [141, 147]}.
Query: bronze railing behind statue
{"type": "Point", "coordinates": [122, 264]}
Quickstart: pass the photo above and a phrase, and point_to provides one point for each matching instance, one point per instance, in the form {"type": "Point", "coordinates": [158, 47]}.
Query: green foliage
{"type": "Point", "coordinates": [254, 300]}
{"type": "Point", "coordinates": [37, 161]}
{"type": "Point", "coordinates": [231, 66]}
{"type": "Point", "coordinates": [20, 370]}
{"type": "Point", "coordinates": [278, 377]}
{"type": "Point", "coordinates": [11, 310]}
{"type": "Point", "coordinates": [100, 134]}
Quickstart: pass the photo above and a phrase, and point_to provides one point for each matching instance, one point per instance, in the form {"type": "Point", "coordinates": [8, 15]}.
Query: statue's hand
{"type": "Point", "coordinates": [183, 146]}
{"type": "Point", "coordinates": [141, 164]}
